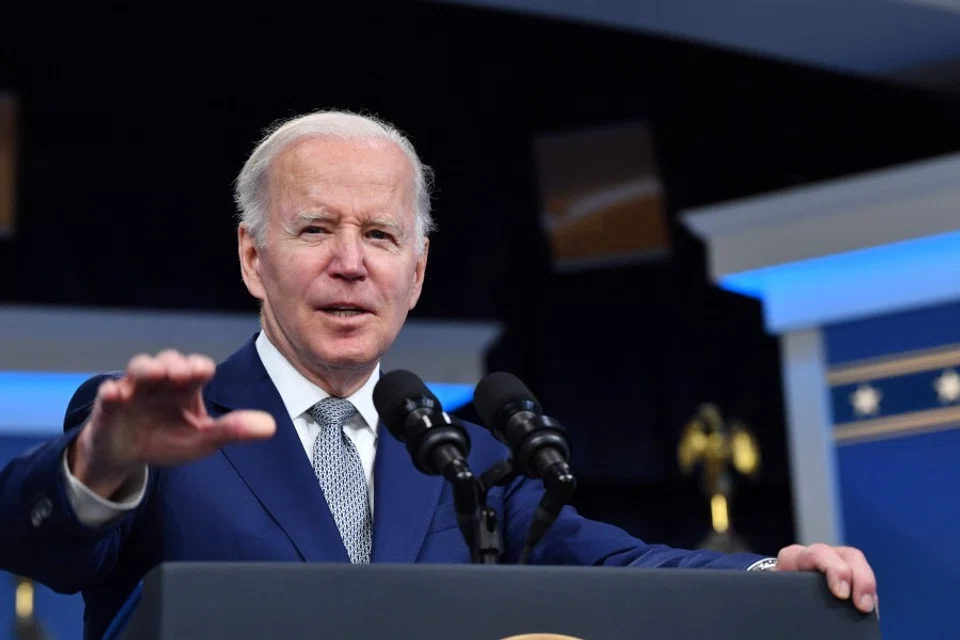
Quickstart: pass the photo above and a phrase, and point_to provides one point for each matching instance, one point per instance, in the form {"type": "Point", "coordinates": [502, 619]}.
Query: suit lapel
{"type": "Point", "coordinates": [277, 470]}
{"type": "Point", "coordinates": [405, 500]}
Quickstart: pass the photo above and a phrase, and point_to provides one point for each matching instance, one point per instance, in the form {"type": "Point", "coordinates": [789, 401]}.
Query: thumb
{"type": "Point", "coordinates": [242, 425]}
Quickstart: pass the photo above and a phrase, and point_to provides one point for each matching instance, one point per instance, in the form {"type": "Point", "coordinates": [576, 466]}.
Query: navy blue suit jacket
{"type": "Point", "coordinates": [261, 502]}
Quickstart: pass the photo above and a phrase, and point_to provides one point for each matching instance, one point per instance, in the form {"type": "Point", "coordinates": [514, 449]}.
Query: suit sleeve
{"type": "Point", "coordinates": [575, 540]}
{"type": "Point", "coordinates": [40, 534]}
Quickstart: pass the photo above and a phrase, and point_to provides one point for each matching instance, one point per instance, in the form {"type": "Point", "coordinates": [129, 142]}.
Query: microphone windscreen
{"type": "Point", "coordinates": [394, 389]}
{"type": "Point", "coordinates": [496, 391]}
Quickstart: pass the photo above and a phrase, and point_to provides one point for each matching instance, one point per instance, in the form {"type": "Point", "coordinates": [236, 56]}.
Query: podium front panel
{"type": "Point", "coordinates": [470, 602]}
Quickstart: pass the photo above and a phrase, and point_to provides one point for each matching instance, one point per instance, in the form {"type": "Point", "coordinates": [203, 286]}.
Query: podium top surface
{"type": "Point", "coordinates": [434, 602]}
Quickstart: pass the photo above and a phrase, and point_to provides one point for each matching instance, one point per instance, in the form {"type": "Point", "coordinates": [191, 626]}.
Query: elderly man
{"type": "Point", "coordinates": [276, 454]}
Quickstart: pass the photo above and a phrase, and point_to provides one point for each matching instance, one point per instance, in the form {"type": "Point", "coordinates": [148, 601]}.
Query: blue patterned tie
{"type": "Point", "coordinates": [337, 465]}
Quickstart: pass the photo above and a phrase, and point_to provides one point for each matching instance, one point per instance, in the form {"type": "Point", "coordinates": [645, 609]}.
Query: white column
{"type": "Point", "coordinates": [809, 425]}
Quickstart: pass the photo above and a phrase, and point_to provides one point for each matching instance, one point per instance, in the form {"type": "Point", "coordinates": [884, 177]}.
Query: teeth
{"type": "Point", "coordinates": [345, 313]}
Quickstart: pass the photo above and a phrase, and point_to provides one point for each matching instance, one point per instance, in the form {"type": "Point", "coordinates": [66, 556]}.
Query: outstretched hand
{"type": "Point", "coordinates": [155, 415]}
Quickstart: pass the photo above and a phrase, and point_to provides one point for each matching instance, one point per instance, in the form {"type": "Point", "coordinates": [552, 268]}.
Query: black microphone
{"type": "Point", "coordinates": [538, 444]}
{"type": "Point", "coordinates": [414, 416]}
{"type": "Point", "coordinates": [511, 412]}
{"type": "Point", "coordinates": [438, 445]}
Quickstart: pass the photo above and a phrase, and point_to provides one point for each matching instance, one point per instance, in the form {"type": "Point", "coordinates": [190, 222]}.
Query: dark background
{"type": "Point", "coordinates": [135, 121]}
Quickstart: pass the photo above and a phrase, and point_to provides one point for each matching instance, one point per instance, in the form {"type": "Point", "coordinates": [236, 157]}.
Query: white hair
{"type": "Point", "coordinates": [251, 191]}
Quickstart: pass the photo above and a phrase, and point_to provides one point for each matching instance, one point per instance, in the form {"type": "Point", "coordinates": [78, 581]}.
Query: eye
{"type": "Point", "coordinates": [313, 229]}
{"type": "Point", "coordinates": [378, 234]}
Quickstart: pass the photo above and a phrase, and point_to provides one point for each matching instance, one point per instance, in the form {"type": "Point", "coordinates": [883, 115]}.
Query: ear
{"type": "Point", "coordinates": [249, 261]}
{"type": "Point", "coordinates": [419, 272]}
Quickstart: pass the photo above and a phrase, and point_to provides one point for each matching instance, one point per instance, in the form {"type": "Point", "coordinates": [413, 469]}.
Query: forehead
{"type": "Point", "coordinates": [335, 173]}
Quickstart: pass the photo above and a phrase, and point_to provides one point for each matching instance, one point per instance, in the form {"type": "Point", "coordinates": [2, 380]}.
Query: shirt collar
{"type": "Point", "coordinates": [299, 394]}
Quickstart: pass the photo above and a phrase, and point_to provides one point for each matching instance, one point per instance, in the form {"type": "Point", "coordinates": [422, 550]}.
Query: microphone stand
{"type": "Point", "coordinates": [558, 491]}
{"type": "Point", "coordinates": [488, 543]}
{"type": "Point", "coordinates": [478, 522]}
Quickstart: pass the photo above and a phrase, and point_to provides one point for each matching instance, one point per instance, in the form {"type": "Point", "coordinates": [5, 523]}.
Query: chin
{"type": "Point", "coordinates": [346, 356]}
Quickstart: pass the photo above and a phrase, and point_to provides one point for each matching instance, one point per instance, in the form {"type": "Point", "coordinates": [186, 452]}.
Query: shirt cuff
{"type": "Point", "coordinates": [92, 510]}
{"type": "Point", "coordinates": [767, 564]}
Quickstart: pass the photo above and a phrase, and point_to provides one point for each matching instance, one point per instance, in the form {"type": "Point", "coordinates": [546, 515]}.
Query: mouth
{"type": "Point", "coordinates": [344, 311]}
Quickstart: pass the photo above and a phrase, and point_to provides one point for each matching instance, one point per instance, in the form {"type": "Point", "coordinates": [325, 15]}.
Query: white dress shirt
{"type": "Point", "coordinates": [298, 395]}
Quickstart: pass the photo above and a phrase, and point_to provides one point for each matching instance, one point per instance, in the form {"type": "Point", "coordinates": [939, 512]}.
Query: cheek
{"type": "Point", "coordinates": [295, 273]}
{"type": "Point", "coordinates": [404, 289]}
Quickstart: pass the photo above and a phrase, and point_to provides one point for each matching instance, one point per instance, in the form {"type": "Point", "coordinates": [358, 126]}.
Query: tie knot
{"type": "Point", "coordinates": [333, 412]}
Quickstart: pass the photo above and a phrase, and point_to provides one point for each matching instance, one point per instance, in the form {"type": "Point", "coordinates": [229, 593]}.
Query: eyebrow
{"type": "Point", "coordinates": [307, 217]}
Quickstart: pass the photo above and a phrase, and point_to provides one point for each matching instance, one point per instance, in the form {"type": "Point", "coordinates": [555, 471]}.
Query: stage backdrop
{"type": "Point", "coordinates": [8, 162]}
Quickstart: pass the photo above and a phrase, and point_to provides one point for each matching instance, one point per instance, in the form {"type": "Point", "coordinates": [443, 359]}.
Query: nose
{"type": "Point", "coordinates": [347, 260]}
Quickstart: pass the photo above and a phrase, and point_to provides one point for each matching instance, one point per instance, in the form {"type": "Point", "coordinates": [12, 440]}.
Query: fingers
{"type": "Point", "coordinates": [864, 581]}
{"type": "Point", "coordinates": [788, 558]}
{"type": "Point", "coordinates": [144, 368]}
{"type": "Point", "coordinates": [201, 367]}
{"type": "Point", "coordinates": [113, 393]}
{"type": "Point", "coordinates": [170, 367]}
{"type": "Point", "coordinates": [820, 557]}
{"type": "Point", "coordinates": [176, 367]}
{"type": "Point", "coordinates": [168, 376]}
{"type": "Point", "coordinates": [109, 391]}
{"type": "Point", "coordinates": [846, 569]}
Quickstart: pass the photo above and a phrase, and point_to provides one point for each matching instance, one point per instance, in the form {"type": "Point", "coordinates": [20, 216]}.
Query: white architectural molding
{"type": "Point", "coordinates": [841, 250]}
{"type": "Point", "coordinates": [882, 207]}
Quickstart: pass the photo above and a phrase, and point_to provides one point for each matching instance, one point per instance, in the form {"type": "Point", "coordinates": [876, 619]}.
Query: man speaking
{"type": "Point", "coordinates": [276, 454]}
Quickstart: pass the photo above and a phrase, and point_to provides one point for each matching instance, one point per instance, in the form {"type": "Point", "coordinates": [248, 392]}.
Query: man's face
{"type": "Point", "coordinates": [339, 270]}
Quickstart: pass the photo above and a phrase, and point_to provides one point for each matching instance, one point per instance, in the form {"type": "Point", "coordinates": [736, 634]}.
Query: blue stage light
{"type": "Point", "coordinates": [33, 402]}
{"type": "Point", "coordinates": [847, 285]}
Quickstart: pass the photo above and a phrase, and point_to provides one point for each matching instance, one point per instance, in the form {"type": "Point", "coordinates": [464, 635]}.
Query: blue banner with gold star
{"type": "Point", "coordinates": [898, 395]}
{"type": "Point", "coordinates": [894, 384]}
